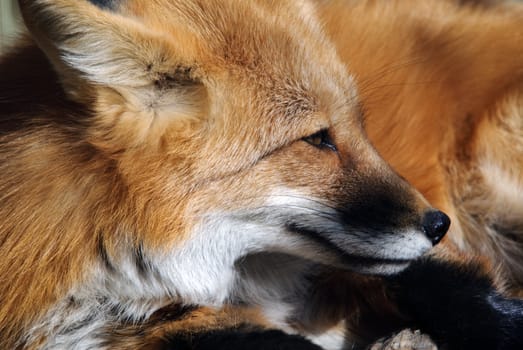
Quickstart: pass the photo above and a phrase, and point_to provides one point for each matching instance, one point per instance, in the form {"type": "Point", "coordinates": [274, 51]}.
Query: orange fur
{"type": "Point", "coordinates": [133, 134]}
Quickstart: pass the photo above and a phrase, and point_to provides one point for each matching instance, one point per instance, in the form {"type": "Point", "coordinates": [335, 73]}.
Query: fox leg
{"type": "Point", "coordinates": [457, 305]}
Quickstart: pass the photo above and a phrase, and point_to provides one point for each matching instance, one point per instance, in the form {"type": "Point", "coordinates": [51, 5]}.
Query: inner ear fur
{"type": "Point", "coordinates": [92, 46]}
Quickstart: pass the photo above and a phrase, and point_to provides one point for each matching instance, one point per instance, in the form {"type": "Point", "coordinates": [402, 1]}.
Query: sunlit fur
{"type": "Point", "coordinates": [441, 86]}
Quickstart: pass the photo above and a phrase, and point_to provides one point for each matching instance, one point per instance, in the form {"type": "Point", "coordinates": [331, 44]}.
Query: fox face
{"type": "Point", "coordinates": [196, 133]}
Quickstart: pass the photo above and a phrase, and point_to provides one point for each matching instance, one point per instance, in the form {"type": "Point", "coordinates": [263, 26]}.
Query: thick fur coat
{"type": "Point", "coordinates": [200, 174]}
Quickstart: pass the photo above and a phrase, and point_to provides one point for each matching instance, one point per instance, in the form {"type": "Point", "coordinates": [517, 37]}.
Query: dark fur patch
{"type": "Point", "coordinates": [142, 265]}
{"type": "Point", "coordinates": [46, 100]}
{"type": "Point", "coordinates": [173, 312]}
{"type": "Point", "coordinates": [378, 207]}
{"type": "Point", "coordinates": [239, 339]}
{"type": "Point", "coordinates": [180, 77]}
{"type": "Point", "coordinates": [458, 306]}
{"type": "Point", "coordinates": [102, 253]}
{"type": "Point", "coordinates": [105, 4]}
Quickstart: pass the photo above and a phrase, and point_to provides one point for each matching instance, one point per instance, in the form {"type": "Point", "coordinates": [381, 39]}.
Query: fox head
{"type": "Point", "coordinates": [202, 131]}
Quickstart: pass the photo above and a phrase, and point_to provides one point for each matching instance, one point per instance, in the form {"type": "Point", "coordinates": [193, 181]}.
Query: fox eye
{"type": "Point", "coordinates": [321, 139]}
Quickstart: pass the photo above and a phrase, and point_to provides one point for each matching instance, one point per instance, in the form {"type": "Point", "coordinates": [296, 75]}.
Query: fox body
{"type": "Point", "coordinates": [175, 168]}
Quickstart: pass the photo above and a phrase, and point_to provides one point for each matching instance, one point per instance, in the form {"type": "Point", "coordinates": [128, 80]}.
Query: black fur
{"type": "Point", "coordinates": [102, 253]}
{"type": "Point", "coordinates": [234, 339]}
{"type": "Point", "coordinates": [105, 4]}
{"type": "Point", "coordinates": [142, 265]}
{"type": "Point", "coordinates": [458, 306]}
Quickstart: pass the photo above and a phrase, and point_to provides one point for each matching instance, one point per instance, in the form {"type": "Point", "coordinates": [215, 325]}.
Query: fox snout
{"type": "Point", "coordinates": [375, 223]}
{"type": "Point", "coordinates": [386, 243]}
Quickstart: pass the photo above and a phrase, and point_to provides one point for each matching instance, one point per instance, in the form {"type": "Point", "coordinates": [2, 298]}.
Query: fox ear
{"type": "Point", "coordinates": [90, 42]}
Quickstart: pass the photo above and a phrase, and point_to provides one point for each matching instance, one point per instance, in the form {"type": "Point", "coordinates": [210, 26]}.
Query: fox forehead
{"type": "Point", "coordinates": [277, 49]}
{"type": "Point", "coordinates": [263, 64]}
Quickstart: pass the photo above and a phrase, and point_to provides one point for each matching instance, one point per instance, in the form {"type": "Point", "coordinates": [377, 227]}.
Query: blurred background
{"type": "Point", "coordinates": [9, 22]}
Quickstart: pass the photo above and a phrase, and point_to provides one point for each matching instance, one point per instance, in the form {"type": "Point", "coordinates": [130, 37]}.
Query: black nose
{"type": "Point", "coordinates": [435, 224]}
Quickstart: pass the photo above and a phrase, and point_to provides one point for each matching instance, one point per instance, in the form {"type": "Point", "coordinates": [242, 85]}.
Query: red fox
{"type": "Point", "coordinates": [197, 175]}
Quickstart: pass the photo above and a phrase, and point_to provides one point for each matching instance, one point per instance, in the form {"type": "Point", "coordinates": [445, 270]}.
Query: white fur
{"type": "Point", "coordinates": [333, 339]}
{"type": "Point", "coordinates": [203, 268]}
{"type": "Point", "coordinates": [506, 187]}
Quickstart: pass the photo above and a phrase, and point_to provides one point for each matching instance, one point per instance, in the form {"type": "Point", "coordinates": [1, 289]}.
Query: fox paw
{"type": "Point", "coordinates": [405, 340]}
